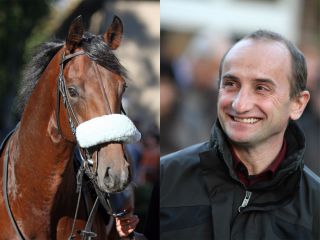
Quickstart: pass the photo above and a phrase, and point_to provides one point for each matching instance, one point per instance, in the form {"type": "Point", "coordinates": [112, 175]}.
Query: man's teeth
{"type": "Point", "coordinates": [246, 120]}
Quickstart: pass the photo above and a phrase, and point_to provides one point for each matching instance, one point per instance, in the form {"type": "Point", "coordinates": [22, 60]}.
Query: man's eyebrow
{"type": "Point", "coordinates": [265, 80]}
{"type": "Point", "coordinates": [230, 76]}
{"type": "Point", "coordinates": [257, 80]}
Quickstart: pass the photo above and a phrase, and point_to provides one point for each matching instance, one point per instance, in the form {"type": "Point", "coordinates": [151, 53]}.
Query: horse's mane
{"type": "Point", "coordinates": [94, 47]}
{"type": "Point", "coordinates": [33, 70]}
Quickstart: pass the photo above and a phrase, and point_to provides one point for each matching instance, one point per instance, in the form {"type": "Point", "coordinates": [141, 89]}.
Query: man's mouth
{"type": "Point", "coordinates": [245, 120]}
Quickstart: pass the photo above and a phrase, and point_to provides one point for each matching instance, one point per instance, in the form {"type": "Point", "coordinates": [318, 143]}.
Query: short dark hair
{"type": "Point", "coordinates": [298, 79]}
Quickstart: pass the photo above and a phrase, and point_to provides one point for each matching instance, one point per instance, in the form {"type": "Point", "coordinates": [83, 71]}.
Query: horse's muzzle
{"type": "Point", "coordinates": [114, 180]}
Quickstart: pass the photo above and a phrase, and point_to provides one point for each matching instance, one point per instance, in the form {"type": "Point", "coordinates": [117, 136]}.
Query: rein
{"type": "Point", "coordinates": [5, 192]}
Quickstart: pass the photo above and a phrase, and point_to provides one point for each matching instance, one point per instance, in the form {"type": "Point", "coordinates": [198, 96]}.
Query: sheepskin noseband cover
{"type": "Point", "coordinates": [107, 128]}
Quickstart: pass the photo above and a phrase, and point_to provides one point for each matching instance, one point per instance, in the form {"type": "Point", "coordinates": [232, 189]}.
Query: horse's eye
{"type": "Point", "coordinates": [73, 92]}
{"type": "Point", "coordinates": [125, 86]}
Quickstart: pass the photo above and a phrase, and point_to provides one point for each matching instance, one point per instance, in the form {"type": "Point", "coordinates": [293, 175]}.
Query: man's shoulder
{"type": "Point", "coordinates": [181, 178]}
{"type": "Point", "coordinates": [184, 156]}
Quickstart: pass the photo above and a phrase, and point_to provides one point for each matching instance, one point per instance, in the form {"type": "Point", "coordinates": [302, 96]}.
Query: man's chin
{"type": "Point", "coordinates": [241, 139]}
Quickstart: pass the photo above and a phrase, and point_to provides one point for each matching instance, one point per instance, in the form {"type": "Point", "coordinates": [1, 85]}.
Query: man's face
{"type": "Point", "coordinates": [254, 103]}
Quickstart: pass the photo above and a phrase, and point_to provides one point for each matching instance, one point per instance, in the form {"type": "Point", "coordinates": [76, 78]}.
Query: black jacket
{"type": "Point", "coordinates": [202, 198]}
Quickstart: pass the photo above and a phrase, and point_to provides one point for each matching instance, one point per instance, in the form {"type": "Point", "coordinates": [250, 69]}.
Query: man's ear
{"type": "Point", "coordinates": [298, 104]}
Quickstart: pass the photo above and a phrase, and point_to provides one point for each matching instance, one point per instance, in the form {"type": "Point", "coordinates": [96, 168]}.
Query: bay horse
{"type": "Point", "coordinates": [71, 96]}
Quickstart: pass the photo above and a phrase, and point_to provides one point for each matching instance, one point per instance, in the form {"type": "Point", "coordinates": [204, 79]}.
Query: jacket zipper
{"type": "Point", "coordinates": [245, 201]}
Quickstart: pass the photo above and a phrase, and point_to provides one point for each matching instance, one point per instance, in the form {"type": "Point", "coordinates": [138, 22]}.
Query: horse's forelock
{"type": "Point", "coordinates": [99, 51]}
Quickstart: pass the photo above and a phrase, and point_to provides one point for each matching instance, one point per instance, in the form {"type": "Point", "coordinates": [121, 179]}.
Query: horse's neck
{"type": "Point", "coordinates": [42, 156]}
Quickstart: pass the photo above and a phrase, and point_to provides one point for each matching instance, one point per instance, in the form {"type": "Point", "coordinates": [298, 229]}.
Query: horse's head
{"type": "Point", "coordinates": [92, 83]}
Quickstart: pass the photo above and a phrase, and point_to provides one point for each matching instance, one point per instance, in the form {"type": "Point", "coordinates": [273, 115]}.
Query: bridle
{"type": "Point", "coordinates": [72, 118]}
{"type": "Point", "coordinates": [86, 162]}
{"type": "Point", "coordinates": [85, 168]}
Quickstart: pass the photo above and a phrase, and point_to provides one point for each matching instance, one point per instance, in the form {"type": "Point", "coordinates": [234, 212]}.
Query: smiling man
{"type": "Point", "coordinates": [249, 180]}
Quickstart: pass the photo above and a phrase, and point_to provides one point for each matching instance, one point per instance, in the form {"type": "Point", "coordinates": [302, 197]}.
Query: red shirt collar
{"type": "Point", "coordinates": [267, 174]}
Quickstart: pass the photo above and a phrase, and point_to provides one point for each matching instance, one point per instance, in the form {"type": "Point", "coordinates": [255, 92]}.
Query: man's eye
{"type": "Point", "coordinates": [228, 84]}
{"type": "Point", "coordinates": [262, 88]}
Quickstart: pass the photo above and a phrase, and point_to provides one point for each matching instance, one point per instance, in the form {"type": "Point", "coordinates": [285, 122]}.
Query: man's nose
{"type": "Point", "coordinates": [243, 101]}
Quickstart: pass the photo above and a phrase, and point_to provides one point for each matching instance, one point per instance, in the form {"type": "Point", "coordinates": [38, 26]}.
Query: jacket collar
{"type": "Point", "coordinates": [293, 162]}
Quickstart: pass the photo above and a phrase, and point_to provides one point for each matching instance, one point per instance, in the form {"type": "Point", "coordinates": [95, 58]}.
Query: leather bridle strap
{"type": "Point", "coordinates": [61, 88]}
{"type": "Point", "coordinates": [103, 89]}
{"type": "Point", "coordinates": [79, 189]}
{"type": "Point", "coordinates": [87, 232]}
{"type": "Point", "coordinates": [6, 196]}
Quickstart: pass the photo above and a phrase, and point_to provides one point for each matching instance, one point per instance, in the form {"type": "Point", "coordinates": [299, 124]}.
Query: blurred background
{"type": "Point", "coordinates": [26, 23]}
{"type": "Point", "coordinates": [195, 35]}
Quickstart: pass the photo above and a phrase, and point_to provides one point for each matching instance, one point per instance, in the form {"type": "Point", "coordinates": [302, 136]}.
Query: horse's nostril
{"type": "Point", "coordinates": [108, 172]}
{"type": "Point", "coordinates": [114, 179]}
{"type": "Point", "coordinates": [109, 179]}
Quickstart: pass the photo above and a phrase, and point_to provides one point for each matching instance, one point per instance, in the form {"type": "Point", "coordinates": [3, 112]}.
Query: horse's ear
{"type": "Point", "coordinates": [75, 34]}
{"type": "Point", "coordinates": [114, 33]}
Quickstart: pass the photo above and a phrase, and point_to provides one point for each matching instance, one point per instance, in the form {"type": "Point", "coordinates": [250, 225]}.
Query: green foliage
{"type": "Point", "coordinates": [17, 19]}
